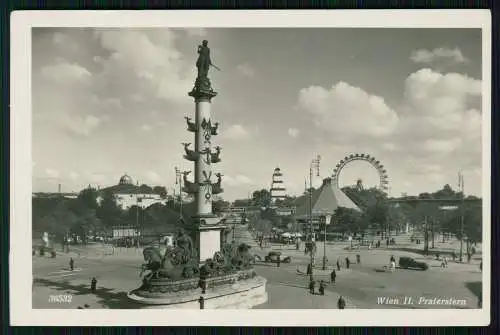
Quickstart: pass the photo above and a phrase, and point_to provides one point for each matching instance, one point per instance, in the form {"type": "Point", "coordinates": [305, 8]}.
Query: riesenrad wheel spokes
{"type": "Point", "coordinates": [383, 176]}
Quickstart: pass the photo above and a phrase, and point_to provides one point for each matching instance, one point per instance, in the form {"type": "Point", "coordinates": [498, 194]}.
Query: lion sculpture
{"type": "Point", "coordinates": [178, 262]}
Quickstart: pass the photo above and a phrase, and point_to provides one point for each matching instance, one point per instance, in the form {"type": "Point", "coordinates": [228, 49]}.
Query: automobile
{"type": "Point", "coordinates": [410, 263]}
{"type": "Point", "coordinates": [273, 256]}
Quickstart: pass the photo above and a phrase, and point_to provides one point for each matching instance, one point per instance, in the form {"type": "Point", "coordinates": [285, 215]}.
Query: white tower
{"type": "Point", "coordinates": [277, 189]}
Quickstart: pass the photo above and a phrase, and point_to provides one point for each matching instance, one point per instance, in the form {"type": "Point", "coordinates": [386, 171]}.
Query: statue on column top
{"type": "Point", "coordinates": [203, 63]}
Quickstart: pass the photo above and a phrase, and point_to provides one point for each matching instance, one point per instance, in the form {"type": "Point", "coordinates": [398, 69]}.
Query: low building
{"type": "Point", "coordinates": [127, 194]}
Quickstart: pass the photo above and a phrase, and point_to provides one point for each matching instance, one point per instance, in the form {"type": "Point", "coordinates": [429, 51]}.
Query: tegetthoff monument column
{"type": "Point", "coordinates": [208, 226]}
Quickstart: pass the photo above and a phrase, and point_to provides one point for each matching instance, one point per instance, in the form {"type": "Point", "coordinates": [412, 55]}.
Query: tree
{"type": "Point", "coordinates": [446, 193]}
{"type": "Point", "coordinates": [88, 197]}
{"type": "Point", "coordinates": [161, 190]}
{"type": "Point", "coordinates": [145, 189]}
{"type": "Point", "coordinates": [347, 220]}
{"type": "Point", "coordinates": [261, 198]}
{"type": "Point", "coordinates": [242, 202]}
{"type": "Point", "coordinates": [426, 218]}
{"type": "Point", "coordinates": [219, 205]}
{"type": "Point", "coordinates": [288, 201]}
{"type": "Point", "coordinates": [108, 211]}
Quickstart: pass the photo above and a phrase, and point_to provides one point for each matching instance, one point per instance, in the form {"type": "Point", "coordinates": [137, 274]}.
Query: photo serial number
{"type": "Point", "coordinates": [61, 298]}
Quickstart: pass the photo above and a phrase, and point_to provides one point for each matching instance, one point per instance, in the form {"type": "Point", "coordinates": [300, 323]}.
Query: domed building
{"type": "Point", "coordinates": [127, 194]}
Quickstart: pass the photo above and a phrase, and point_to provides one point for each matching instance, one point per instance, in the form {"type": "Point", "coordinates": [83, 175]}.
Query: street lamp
{"type": "Point", "coordinates": [326, 221]}
{"type": "Point", "coordinates": [178, 181]}
{"type": "Point", "coordinates": [461, 187]}
{"type": "Point", "coordinates": [314, 165]}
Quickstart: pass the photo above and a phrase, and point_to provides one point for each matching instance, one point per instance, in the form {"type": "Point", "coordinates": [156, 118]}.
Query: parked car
{"type": "Point", "coordinates": [410, 263]}
{"type": "Point", "coordinates": [273, 256]}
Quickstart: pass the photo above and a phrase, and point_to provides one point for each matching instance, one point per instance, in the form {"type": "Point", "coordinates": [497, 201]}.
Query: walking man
{"type": "Point", "coordinates": [71, 263]}
{"type": "Point", "coordinates": [347, 262]}
{"type": "Point", "coordinates": [358, 258]}
{"type": "Point", "coordinates": [93, 284]}
{"type": "Point", "coordinates": [201, 301]}
{"type": "Point", "coordinates": [321, 288]}
{"type": "Point", "coordinates": [338, 264]}
{"type": "Point", "coordinates": [341, 303]}
{"type": "Point", "coordinates": [333, 276]}
{"type": "Point", "coordinates": [311, 286]}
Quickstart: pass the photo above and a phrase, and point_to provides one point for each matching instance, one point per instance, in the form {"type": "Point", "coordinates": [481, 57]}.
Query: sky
{"type": "Point", "coordinates": [112, 101]}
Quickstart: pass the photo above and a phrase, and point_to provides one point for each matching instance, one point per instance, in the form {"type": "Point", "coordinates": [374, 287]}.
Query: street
{"type": "Point", "coordinates": [362, 285]}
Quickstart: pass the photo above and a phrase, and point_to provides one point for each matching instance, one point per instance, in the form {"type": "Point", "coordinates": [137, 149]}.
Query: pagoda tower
{"type": "Point", "coordinates": [208, 234]}
{"type": "Point", "coordinates": [277, 190]}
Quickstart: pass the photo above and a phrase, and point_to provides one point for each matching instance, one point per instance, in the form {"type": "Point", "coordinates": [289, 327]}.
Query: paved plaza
{"type": "Point", "coordinates": [362, 285]}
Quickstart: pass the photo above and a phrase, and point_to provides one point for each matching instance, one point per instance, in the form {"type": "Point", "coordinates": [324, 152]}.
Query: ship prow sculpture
{"type": "Point", "coordinates": [201, 270]}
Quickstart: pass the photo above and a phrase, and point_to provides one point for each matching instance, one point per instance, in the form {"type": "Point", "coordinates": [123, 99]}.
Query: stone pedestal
{"type": "Point", "coordinates": [239, 295]}
{"type": "Point", "coordinates": [209, 235]}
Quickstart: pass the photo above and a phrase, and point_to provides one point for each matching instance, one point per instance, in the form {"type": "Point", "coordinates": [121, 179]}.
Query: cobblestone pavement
{"type": "Point", "coordinates": [361, 285]}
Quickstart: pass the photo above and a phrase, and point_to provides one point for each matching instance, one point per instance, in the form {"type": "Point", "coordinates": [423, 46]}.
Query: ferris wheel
{"type": "Point", "coordinates": [375, 163]}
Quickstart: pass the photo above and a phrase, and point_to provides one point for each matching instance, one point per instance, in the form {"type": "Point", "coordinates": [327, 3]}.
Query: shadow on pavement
{"type": "Point", "coordinates": [475, 287]}
{"type": "Point", "coordinates": [107, 298]}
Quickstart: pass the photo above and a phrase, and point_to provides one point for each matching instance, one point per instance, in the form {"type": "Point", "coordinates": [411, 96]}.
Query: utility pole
{"type": "Point", "coordinates": [178, 181]}
{"type": "Point", "coordinates": [314, 165]}
{"type": "Point", "coordinates": [462, 214]}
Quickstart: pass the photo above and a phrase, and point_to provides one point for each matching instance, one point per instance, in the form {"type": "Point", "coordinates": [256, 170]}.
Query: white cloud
{"type": "Point", "coordinates": [442, 145]}
{"type": "Point", "coordinates": [438, 54]}
{"type": "Point", "coordinates": [144, 62]}
{"type": "Point", "coordinates": [239, 180]}
{"type": "Point", "coordinates": [152, 176]}
{"type": "Point", "coordinates": [246, 70]}
{"type": "Point", "coordinates": [73, 175]}
{"type": "Point", "coordinates": [52, 173]}
{"type": "Point", "coordinates": [341, 108]}
{"type": "Point", "coordinates": [65, 73]}
{"type": "Point", "coordinates": [146, 128]}
{"type": "Point", "coordinates": [235, 132]}
{"type": "Point", "coordinates": [83, 125]}
{"type": "Point", "coordinates": [293, 132]}
{"type": "Point", "coordinates": [97, 178]}
{"type": "Point", "coordinates": [438, 123]}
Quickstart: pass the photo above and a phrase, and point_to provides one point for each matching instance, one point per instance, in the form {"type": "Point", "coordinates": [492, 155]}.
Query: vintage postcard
{"type": "Point", "coordinates": [315, 168]}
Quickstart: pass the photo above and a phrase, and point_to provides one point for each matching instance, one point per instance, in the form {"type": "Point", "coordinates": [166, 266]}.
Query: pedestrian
{"type": "Point", "coordinates": [392, 259]}
{"type": "Point", "coordinates": [93, 284]}
{"type": "Point", "coordinates": [333, 276]}
{"type": "Point", "coordinates": [358, 258]}
{"type": "Point", "coordinates": [71, 263]}
{"type": "Point", "coordinates": [387, 242]}
{"type": "Point", "coordinates": [321, 288]}
{"type": "Point", "coordinates": [201, 301]}
{"type": "Point", "coordinates": [311, 286]}
{"type": "Point", "coordinates": [338, 264]}
{"type": "Point", "coordinates": [347, 262]}
{"type": "Point", "coordinates": [453, 255]}
{"type": "Point", "coordinates": [278, 261]}
{"type": "Point", "coordinates": [469, 256]}
{"type": "Point", "coordinates": [341, 303]}
{"type": "Point", "coordinates": [445, 260]}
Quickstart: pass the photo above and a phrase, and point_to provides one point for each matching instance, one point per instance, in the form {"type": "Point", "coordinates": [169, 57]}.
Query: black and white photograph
{"type": "Point", "coordinates": [306, 168]}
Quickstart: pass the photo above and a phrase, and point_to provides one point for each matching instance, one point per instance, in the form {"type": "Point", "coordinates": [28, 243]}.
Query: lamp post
{"type": "Point", "coordinates": [326, 221]}
{"type": "Point", "coordinates": [314, 165]}
{"type": "Point", "coordinates": [461, 187]}
{"type": "Point", "coordinates": [178, 181]}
